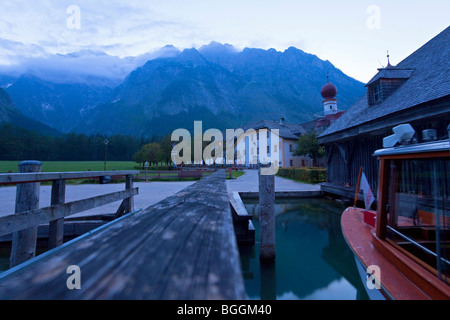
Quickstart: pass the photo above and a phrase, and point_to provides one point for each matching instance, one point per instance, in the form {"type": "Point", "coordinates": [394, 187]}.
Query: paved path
{"type": "Point", "coordinates": [149, 192]}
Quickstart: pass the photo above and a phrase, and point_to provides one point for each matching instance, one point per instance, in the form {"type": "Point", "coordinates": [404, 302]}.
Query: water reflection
{"type": "Point", "coordinates": [313, 261]}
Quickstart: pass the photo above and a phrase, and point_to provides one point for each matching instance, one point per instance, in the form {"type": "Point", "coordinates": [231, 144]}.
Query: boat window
{"type": "Point", "coordinates": [418, 221]}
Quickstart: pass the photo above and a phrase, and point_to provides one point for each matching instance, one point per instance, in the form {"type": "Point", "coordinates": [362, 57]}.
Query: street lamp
{"type": "Point", "coordinates": [106, 141]}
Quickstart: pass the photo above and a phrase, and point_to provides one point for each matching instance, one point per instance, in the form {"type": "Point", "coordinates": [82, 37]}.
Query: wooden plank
{"type": "Point", "coordinates": [181, 248]}
{"type": "Point", "coordinates": [120, 211]}
{"type": "Point", "coordinates": [243, 226]}
{"type": "Point", "coordinates": [37, 217]}
{"type": "Point", "coordinates": [8, 178]}
{"type": "Point", "coordinates": [238, 206]}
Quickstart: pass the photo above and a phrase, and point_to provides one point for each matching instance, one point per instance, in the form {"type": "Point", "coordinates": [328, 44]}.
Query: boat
{"type": "Point", "coordinates": [403, 248]}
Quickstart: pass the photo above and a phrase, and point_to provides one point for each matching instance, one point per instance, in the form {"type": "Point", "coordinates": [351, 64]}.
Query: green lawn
{"type": "Point", "coordinates": [237, 174]}
{"type": "Point", "coordinates": [65, 166]}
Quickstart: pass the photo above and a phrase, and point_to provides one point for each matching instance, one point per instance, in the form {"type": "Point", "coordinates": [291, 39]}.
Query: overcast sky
{"type": "Point", "coordinates": [353, 34]}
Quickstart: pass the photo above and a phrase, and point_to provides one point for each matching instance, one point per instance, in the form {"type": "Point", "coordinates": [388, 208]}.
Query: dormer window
{"type": "Point", "coordinates": [376, 93]}
{"type": "Point", "coordinates": [385, 83]}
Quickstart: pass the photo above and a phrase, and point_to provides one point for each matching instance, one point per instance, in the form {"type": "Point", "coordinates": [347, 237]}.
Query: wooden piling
{"type": "Point", "coordinates": [267, 216]}
{"type": "Point", "coordinates": [56, 229]}
{"type": "Point", "coordinates": [129, 203]}
{"type": "Point", "coordinates": [23, 245]}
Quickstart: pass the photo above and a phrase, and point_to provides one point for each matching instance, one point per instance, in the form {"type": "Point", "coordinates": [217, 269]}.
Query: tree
{"type": "Point", "coordinates": [150, 152]}
{"type": "Point", "coordinates": [139, 157]}
{"type": "Point", "coordinates": [166, 149]}
{"type": "Point", "coordinates": [308, 145]}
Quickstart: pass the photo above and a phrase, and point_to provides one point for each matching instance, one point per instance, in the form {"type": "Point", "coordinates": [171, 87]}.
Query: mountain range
{"type": "Point", "coordinates": [10, 114]}
{"type": "Point", "coordinates": [155, 94]}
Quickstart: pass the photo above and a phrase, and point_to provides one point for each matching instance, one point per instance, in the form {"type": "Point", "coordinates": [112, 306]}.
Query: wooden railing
{"type": "Point", "coordinates": [24, 223]}
{"type": "Point", "coordinates": [182, 248]}
{"type": "Point", "coordinates": [179, 174]}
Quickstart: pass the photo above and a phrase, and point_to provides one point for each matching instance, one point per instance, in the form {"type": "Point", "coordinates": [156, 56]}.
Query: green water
{"type": "Point", "coordinates": [313, 261]}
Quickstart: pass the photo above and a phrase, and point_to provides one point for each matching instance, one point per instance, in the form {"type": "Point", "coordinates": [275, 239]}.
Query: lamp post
{"type": "Point", "coordinates": [106, 141]}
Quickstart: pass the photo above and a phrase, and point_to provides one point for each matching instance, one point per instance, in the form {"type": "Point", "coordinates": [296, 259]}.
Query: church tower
{"type": "Point", "coordinates": [329, 92]}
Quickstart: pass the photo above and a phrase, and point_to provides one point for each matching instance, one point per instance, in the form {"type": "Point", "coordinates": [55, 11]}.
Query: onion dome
{"type": "Point", "coordinates": [329, 91]}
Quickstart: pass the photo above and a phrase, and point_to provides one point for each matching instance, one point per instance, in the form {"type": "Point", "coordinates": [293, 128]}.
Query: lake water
{"type": "Point", "coordinates": [313, 260]}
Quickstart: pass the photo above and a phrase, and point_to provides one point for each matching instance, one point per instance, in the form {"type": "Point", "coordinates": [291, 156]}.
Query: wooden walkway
{"type": "Point", "coordinates": [183, 247]}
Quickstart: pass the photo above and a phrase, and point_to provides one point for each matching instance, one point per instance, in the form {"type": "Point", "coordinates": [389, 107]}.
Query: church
{"type": "Point", "coordinates": [247, 145]}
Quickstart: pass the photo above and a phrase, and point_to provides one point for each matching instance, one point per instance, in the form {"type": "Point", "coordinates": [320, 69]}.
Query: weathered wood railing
{"type": "Point", "coordinates": [183, 173]}
{"type": "Point", "coordinates": [23, 224]}
{"type": "Point", "coordinates": [183, 247]}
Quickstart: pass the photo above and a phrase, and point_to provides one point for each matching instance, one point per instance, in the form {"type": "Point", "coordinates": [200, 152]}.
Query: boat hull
{"type": "Point", "coordinates": [373, 293]}
{"type": "Point", "coordinates": [365, 245]}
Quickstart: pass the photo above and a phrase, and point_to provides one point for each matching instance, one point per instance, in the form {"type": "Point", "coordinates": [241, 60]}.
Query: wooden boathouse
{"type": "Point", "coordinates": [416, 91]}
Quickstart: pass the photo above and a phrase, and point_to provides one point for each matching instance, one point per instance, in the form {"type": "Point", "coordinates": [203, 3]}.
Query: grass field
{"type": "Point", "coordinates": [66, 166]}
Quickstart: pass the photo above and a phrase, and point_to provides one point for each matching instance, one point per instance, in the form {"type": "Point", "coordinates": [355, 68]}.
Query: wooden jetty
{"type": "Point", "coordinates": [183, 247]}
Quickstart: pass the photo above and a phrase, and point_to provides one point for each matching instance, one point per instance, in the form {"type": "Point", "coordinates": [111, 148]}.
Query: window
{"type": "Point", "coordinates": [291, 147]}
{"type": "Point", "coordinates": [376, 93]}
{"type": "Point", "coordinates": [418, 217]}
{"type": "Point", "coordinates": [291, 163]}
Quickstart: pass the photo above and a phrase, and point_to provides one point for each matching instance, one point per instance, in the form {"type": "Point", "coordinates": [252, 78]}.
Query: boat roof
{"type": "Point", "coordinates": [433, 146]}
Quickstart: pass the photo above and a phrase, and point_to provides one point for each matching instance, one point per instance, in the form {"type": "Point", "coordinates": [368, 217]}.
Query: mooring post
{"type": "Point", "coordinates": [267, 216]}
{"type": "Point", "coordinates": [23, 245]}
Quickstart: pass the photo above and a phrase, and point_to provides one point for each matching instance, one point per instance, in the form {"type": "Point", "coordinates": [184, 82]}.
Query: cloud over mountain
{"type": "Point", "coordinates": [87, 66]}
{"type": "Point", "coordinates": [92, 92]}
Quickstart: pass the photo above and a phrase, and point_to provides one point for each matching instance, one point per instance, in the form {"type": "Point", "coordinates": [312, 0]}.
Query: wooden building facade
{"type": "Point", "coordinates": [416, 91]}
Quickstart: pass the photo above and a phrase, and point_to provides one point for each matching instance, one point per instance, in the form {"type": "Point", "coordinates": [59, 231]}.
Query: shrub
{"type": "Point", "coordinates": [304, 174]}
